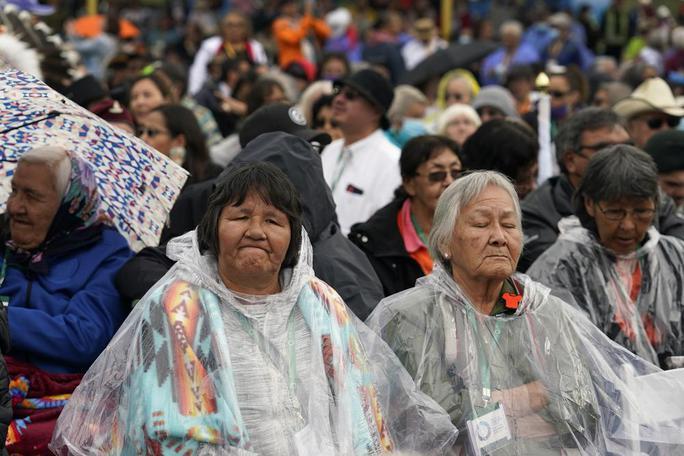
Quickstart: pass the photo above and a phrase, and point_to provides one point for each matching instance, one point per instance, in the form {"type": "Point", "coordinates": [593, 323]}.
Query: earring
{"type": "Point", "coordinates": [446, 256]}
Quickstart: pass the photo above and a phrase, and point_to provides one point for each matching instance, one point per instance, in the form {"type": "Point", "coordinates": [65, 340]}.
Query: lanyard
{"type": "Point", "coordinates": [485, 369]}
{"type": "Point", "coordinates": [342, 162]}
{"type": "Point", "coordinates": [419, 231]}
{"type": "Point", "coordinates": [271, 351]}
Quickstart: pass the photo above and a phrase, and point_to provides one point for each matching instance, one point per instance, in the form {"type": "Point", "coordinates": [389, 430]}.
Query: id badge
{"type": "Point", "coordinates": [489, 432]}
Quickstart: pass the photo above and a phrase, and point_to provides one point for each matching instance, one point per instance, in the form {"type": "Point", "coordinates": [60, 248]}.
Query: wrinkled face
{"type": "Point", "coordinates": [622, 224]}
{"type": "Point", "coordinates": [145, 96]}
{"type": "Point", "coordinates": [457, 91]}
{"type": "Point", "coordinates": [253, 239]}
{"type": "Point", "coordinates": [487, 238]}
{"type": "Point", "coordinates": [152, 129]}
{"type": "Point", "coordinates": [460, 128]}
{"type": "Point", "coordinates": [352, 112]}
{"type": "Point", "coordinates": [673, 185]}
{"type": "Point", "coordinates": [432, 178]}
{"type": "Point", "coordinates": [32, 204]}
{"type": "Point", "coordinates": [645, 125]}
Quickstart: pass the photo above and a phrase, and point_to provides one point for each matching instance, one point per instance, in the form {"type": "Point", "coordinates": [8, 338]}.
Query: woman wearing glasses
{"type": "Point", "coordinates": [173, 130]}
{"type": "Point", "coordinates": [614, 263]}
{"type": "Point", "coordinates": [395, 237]}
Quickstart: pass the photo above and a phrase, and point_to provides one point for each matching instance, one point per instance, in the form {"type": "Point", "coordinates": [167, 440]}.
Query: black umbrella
{"type": "Point", "coordinates": [454, 56]}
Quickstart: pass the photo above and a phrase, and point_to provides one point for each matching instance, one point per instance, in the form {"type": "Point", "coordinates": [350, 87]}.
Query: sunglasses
{"type": "Point", "coordinates": [655, 123]}
{"type": "Point", "coordinates": [150, 132]}
{"type": "Point", "coordinates": [439, 176]}
{"type": "Point", "coordinates": [348, 93]}
{"type": "Point", "coordinates": [557, 93]}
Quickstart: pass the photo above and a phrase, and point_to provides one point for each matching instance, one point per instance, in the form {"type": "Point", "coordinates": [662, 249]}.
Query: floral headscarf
{"type": "Point", "coordinates": [77, 223]}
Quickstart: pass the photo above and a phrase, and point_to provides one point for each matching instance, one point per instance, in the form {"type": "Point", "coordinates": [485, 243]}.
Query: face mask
{"type": "Point", "coordinates": [559, 113]}
{"type": "Point", "coordinates": [410, 128]}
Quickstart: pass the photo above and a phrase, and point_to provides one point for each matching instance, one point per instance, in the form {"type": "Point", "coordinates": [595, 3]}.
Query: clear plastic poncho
{"type": "Point", "coordinates": [563, 386]}
{"type": "Point", "coordinates": [197, 369]}
{"type": "Point", "coordinates": [637, 300]}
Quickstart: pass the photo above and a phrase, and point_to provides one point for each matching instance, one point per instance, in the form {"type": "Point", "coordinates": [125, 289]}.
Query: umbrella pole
{"type": "Point", "coordinates": [91, 7]}
{"type": "Point", "coordinates": [446, 11]}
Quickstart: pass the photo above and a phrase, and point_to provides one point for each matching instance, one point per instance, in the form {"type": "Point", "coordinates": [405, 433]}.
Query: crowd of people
{"type": "Point", "coordinates": [406, 229]}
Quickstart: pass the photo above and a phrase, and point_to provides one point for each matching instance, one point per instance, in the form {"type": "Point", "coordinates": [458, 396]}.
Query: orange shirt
{"type": "Point", "coordinates": [289, 35]}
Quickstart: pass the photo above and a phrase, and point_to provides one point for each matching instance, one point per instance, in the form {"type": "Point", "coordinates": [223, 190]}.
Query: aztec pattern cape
{"type": "Point", "coordinates": [186, 371]}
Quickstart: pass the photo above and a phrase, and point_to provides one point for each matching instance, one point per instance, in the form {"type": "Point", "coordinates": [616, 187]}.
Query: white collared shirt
{"type": "Point", "coordinates": [363, 176]}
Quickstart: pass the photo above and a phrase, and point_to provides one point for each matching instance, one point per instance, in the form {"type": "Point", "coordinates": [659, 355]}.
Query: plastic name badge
{"type": "Point", "coordinates": [489, 432]}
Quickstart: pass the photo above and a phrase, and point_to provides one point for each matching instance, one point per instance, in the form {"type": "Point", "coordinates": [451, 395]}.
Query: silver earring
{"type": "Point", "coordinates": [446, 256]}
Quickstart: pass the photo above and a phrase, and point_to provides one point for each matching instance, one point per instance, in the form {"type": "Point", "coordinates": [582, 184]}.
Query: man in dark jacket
{"type": "Point", "coordinates": [335, 259]}
{"type": "Point", "coordinates": [580, 137]}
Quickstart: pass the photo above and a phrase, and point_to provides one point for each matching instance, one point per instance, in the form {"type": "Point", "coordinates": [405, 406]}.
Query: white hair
{"type": "Point", "coordinates": [511, 26]}
{"type": "Point", "coordinates": [457, 196]}
{"type": "Point", "coordinates": [678, 37]}
{"type": "Point", "coordinates": [56, 159]}
{"type": "Point", "coordinates": [404, 97]}
{"type": "Point", "coordinates": [454, 111]}
{"type": "Point", "coordinates": [311, 95]}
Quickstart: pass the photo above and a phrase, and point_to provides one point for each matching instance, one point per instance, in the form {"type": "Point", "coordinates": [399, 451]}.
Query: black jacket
{"type": "Point", "coordinates": [543, 208]}
{"type": "Point", "coordinates": [381, 241]}
{"type": "Point", "coordinates": [335, 259]}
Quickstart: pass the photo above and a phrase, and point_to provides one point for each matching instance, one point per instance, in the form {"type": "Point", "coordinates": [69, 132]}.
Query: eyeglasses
{"type": "Point", "coordinates": [557, 93]}
{"type": "Point", "coordinates": [639, 214]}
{"type": "Point", "coordinates": [150, 132]}
{"type": "Point", "coordinates": [439, 176]}
{"type": "Point", "coordinates": [348, 93]}
{"type": "Point", "coordinates": [656, 123]}
{"type": "Point", "coordinates": [602, 145]}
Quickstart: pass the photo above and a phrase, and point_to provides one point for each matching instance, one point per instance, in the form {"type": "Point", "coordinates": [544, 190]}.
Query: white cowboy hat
{"type": "Point", "coordinates": [652, 95]}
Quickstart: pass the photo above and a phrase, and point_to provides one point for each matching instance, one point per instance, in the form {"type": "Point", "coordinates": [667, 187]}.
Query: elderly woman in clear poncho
{"type": "Point", "coordinates": [519, 371]}
{"type": "Point", "coordinates": [614, 264]}
{"type": "Point", "coordinates": [239, 349]}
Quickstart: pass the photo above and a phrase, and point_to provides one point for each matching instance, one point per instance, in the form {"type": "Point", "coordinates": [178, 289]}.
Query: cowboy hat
{"type": "Point", "coordinates": [652, 95]}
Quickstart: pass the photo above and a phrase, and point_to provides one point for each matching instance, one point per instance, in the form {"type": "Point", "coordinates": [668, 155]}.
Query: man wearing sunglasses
{"type": "Point", "coordinates": [651, 108]}
{"type": "Point", "coordinates": [579, 138]}
{"type": "Point", "coordinates": [361, 168]}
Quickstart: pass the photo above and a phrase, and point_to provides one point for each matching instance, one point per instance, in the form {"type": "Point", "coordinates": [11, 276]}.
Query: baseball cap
{"type": "Point", "coordinates": [280, 117]}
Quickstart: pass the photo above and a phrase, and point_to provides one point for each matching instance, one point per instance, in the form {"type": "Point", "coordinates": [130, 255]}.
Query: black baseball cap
{"type": "Point", "coordinates": [280, 117]}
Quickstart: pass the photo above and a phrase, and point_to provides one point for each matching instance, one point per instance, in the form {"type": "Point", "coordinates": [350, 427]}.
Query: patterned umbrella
{"type": "Point", "coordinates": [137, 184]}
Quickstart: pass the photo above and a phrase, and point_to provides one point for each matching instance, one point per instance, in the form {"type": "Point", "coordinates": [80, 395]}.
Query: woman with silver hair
{"type": "Point", "coordinates": [624, 274]}
{"type": "Point", "coordinates": [59, 260]}
{"type": "Point", "coordinates": [241, 350]}
{"type": "Point", "coordinates": [406, 115]}
{"type": "Point", "coordinates": [458, 122]}
{"type": "Point", "coordinates": [518, 370]}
